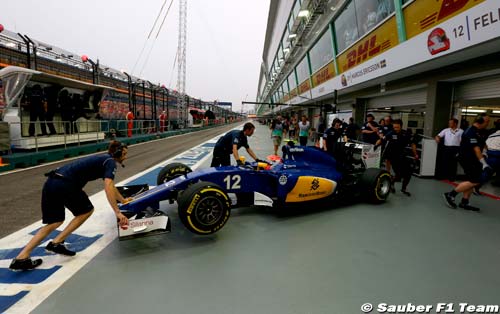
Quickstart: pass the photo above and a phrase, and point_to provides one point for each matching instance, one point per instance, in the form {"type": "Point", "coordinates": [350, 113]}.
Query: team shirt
{"type": "Point", "coordinates": [384, 130]}
{"type": "Point", "coordinates": [396, 143]}
{"type": "Point", "coordinates": [350, 131]}
{"type": "Point", "coordinates": [89, 169]}
{"type": "Point", "coordinates": [371, 138]}
{"type": "Point", "coordinates": [332, 136]}
{"type": "Point", "coordinates": [235, 137]}
{"type": "Point", "coordinates": [470, 139]}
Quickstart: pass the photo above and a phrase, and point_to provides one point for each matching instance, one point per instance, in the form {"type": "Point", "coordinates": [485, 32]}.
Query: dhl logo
{"type": "Point", "coordinates": [367, 48]}
{"type": "Point", "coordinates": [451, 6]}
{"type": "Point", "coordinates": [424, 14]}
{"type": "Point", "coordinates": [448, 7]}
{"type": "Point", "coordinates": [379, 40]}
{"type": "Point", "coordinates": [419, 16]}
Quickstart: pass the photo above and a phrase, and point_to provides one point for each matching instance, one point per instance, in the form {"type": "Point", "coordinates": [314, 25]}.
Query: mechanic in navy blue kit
{"type": "Point", "coordinates": [472, 161]}
{"type": "Point", "coordinates": [230, 143]}
{"type": "Point", "coordinates": [64, 188]}
{"type": "Point", "coordinates": [332, 136]}
{"type": "Point", "coordinates": [397, 140]}
{"type": "Point", "coordinates": [369, 131]}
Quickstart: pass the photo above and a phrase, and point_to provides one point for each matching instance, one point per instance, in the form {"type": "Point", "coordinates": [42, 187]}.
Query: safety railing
{"type": "Point", "coordinates": [38, 134]}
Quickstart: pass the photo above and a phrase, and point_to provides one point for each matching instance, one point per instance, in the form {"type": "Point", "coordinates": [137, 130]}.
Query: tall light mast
{"type": "Point", "coordinates": [181, 65]}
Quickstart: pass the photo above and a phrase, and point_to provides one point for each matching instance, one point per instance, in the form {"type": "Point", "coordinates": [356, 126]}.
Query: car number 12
{"type": "Point", "coordinates": [233, 183]}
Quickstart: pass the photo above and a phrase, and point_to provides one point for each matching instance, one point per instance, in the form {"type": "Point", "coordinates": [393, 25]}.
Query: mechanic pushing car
{"type": "Point", "coordinates": [230, 143]}
{"type": "Point", "coordinates": [397, 140]}
{"type": "Point", "coordinates": [64, 188]}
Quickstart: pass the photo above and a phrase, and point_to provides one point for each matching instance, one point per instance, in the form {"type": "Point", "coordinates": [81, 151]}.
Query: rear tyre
{"type": "Point", "coordinates": [204, 208]}
{"type": "Point", "coordinates": [376, 185]}
{"type": "Point", "coordinates": [172, 171]}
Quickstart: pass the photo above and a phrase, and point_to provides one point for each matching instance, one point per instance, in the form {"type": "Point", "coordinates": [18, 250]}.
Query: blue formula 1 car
{"type": "Point", "coordinates": [304, 175]}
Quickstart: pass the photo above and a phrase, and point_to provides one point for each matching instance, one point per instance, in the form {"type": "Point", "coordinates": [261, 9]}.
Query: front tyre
{"type": "Point", "coordinates": [172, 171]}
{"type": "Point", "coordinates": [204, 208]}
{"type": "Point", "coordinates": [376, 185]}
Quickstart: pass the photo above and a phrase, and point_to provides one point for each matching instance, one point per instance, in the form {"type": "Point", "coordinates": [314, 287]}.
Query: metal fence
{"type": "Point", "coordinates": [34, 135]}
{"type": "Point", "coordinates": [38, 134]}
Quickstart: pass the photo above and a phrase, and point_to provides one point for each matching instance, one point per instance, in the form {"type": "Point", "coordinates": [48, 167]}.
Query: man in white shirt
{"type": "Point", "coordinates": [450, 138]}
{"type": "Point", "coordinates": [493, 149]}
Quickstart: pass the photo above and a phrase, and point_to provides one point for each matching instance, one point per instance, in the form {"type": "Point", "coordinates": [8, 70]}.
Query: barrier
{"type": "Point", "coordinates": [33, 158]}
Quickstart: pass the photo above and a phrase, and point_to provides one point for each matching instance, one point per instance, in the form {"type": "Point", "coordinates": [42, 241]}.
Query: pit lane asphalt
{"type": "Point", "coordinates": [20, 191]}
{"type": "Point", "coordinates": [315, 261]}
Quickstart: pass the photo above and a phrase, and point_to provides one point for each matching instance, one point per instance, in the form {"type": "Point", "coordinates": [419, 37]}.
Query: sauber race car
{"type": "Point", "coordinates": [305, 175]}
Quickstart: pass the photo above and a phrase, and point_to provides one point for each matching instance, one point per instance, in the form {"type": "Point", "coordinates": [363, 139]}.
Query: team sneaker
{"type": "Point", "coordinates": [450, 200]}
{"type": "Point", "coordinates": [468, 207]}
{"type": "Point", "coordinates": [24, 264]}
{"type": "Point", "coordinates": [59, 248]}
{"type": "Point", "coordinates": [405, 192]}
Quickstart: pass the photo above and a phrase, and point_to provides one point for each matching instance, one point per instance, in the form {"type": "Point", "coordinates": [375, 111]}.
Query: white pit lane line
{"type": "Point", "coordinates": [102, 221]}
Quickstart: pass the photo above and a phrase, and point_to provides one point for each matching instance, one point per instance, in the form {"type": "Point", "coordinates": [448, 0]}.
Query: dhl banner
{"type": "Point", "coordinates": [424, 14]}
{"type": "Point", "coordinates": [304, 87]}
{"type": "Point", "coordinates": [379, 40]}
{"type": "Point", "coordinates": [324, 74]}
{"type": "Point", "coordinates": [286, 98]}
{"type": "Point", "coordinates": [293, 92]}
{"type": "Point", "coordinates": [473, 23]}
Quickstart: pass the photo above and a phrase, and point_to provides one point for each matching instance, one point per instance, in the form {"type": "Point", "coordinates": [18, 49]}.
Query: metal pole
{"type": "Point", "coordinates": [28, 54]}
{"type": "Point", "coordinates": [143, 100]}
{"type": "Point", "coordinates": [129, 80]}
{"type": "Point", "coordinates": [34, 51]}
{"type": "Point", "coordinates": [168, 113]}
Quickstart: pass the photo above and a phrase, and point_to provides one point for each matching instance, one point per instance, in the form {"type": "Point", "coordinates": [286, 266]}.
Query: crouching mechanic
{"type": "Point", "coordinates": [230, 143]}
{"type": "Point", "coordinates": [64, 188]}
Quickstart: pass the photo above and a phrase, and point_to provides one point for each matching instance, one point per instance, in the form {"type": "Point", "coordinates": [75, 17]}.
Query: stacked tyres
{"type": "Point", "coordinates": [376, 185]}
{"type": "Point", "coordinates": [172, 171]}
{"type": "Point", "coordinates": [204, 208]}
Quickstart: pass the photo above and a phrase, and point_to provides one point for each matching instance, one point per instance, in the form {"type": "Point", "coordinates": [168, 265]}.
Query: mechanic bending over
{"type": "Point", "coordinates": [64, 188]}
{"type": "Point", "coordinates": [397, 140]}
{"type": "Point", "coordinates": [230, 143]}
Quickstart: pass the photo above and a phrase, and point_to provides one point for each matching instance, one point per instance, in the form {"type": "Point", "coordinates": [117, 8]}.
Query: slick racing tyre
{"type": "Point", "coordinates": [376, 185]}
{"type": "Point", "coordinates": [204, 208]}
{"type": "Point", "coordinates": [172, 171]}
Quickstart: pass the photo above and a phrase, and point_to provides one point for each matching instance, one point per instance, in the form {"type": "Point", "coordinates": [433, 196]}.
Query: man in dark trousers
{"type": "Point", "coordinates": [66, 111]}
{"type": "Point", "coordinates": [64, 188]}
{"type": "Point", "coordinates": [230, 143]}
{"type": "Point", "coordinates": [472, 161]}
{"type": "Point", "coordinates": [397, 140]}
{"type": "Point", "coordinates": [450, 138]}
{"type": "Point", "coordinates": [383, 131]}
{"type": "Point", "coordinates": [50, 107]}
{"type": "Point", "coordinates": [37, 111]}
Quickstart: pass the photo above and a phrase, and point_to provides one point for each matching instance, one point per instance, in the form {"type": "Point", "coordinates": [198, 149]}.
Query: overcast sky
{"type": "Point", "coordinates": [224, 49]}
